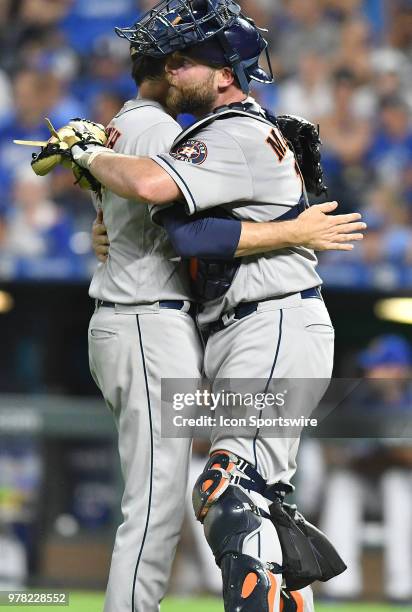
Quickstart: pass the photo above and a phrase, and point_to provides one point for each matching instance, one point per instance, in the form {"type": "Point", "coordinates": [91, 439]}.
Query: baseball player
{"type": "Point", "coordinates": [264, 314]}
{"type": "Point", "coordinates": [142, 329]}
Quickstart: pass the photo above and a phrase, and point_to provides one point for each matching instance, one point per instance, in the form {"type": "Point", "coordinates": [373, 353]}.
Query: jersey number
{"type": "Point", "coordinates": [278, 145]}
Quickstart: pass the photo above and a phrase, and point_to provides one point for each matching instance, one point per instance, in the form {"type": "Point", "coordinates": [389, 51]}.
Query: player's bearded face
{"type": "Point", "coordinates": [192, 91]}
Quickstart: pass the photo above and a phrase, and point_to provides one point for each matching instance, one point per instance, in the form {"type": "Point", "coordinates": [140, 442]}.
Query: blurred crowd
{"type": "Point", "coordinates": [345, 64]}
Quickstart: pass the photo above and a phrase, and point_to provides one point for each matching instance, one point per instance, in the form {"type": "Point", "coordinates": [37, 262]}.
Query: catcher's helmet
{"type": "Point", "coordinates": [213, 30]}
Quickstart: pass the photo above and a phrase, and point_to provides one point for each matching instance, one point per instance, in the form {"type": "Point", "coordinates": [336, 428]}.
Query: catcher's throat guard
{"type": "Point", "coordinates": [308, 555]}
{"type": "Point", "coordinates": [214, 31]}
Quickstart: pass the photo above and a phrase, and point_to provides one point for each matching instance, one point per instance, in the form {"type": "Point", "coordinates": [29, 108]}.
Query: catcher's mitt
{"type": "Point", "coordinates": [304, 139]}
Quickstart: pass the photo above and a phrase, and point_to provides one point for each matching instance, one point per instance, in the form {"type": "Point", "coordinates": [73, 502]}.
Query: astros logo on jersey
{"type": "Point", "coordinates": [192, 152]}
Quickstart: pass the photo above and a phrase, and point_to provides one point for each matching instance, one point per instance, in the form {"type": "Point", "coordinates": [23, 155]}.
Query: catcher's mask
{"type": "Point", "coordinates": [212, 30]}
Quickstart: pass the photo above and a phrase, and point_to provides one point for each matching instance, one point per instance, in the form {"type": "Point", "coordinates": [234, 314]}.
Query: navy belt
{"type": "Point", "coordinates": [247, 308]}
{"type": "Point", "coordinates": [169, 304]}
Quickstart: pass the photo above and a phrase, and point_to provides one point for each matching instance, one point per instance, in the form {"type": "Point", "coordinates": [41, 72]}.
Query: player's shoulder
{"type": "Point", "coordinates": [246, 119]}
{"type": "Point", "coordinates": [142, 127]}
{"type": "Point", "coordinates": [238, 123]}
{"type": "Point", "coordinates": [243, 129]}
{"type": "Point", "coordinates": [143, 114]}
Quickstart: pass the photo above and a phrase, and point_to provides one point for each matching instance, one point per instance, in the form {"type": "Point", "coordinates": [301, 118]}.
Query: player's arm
{"type": "Point", "coordinates": [193, 175]}
{"type": "Point", "coordinates": [216, 238]}
{"type": "Point", "coordinates": [132, 178]}
{"type": "Point", "coordinates": [315, 229]}
{"type": "Point", "coordinates": [213, 237]}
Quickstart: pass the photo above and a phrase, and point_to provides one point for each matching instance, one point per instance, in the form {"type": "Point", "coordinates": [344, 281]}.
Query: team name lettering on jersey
{"type": "Point", "coordinates": [277, 143]}
{"type": "Point", "coordinates": [113, 136]}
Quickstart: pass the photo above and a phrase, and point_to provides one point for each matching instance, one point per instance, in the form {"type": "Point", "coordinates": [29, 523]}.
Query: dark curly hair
{"type": "Point", "coordinates": [146, 68]}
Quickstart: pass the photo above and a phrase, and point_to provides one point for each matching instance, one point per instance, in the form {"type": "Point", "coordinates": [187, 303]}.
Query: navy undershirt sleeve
{"type": "Point", "coordinates": [200, 235]}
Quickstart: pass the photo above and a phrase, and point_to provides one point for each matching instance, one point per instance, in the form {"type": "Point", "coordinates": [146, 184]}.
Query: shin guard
{"type": "Point", "coordinates": [230, 518]}
{"type": "Point", "coordinates": [247, 585]}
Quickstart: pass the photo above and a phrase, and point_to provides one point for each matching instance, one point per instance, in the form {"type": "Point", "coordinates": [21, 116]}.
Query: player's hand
{"type": "Point", "coordinates": [100, 239]}
{"type": "Point", "coordinates": [319, 230]}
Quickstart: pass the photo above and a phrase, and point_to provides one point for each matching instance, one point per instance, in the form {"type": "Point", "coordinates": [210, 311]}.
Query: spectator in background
{"type": "Point", "coordinates": [400, 21]}
{"type": "Point", "coordinates": [40, 13]}
{"type": "Point", "coordinates": [345, 133]}
{"type": "Point", "coordinates": [342, 10]}
{"type": "Point", "coordinates": [47, 47]}
{"type": "Point", "coordinates": [105, 106]}
{"type": "Point", "coordinates": [304, 28]}
{"type": "Point", "coordinates": [46, 52]}
{"type": "Point", "coordinates": [106, 70]}
{"type": "Point", "coordinates": [36, 227]}
{"type": "Point", "coordinates": [26, 122]}
{"type": "Point", "coordinates": [346, 138]}
{"type": "Point", "coordinates": [62, 105]}
{"type": "Point", "coordinates": [308, 93]}
{"type": "Point", "coordinates": [392, 75]}
{"type": "Point", "coordinates": [89, 20]}
{"type": "Point", "coordinates": [390, 152]}
{"type": "Point", "coordinates": [355, 49]}
{"type": "Point", "coordinates": [389, 235]}
{"type": "Point", "coordinates": [366, 471]}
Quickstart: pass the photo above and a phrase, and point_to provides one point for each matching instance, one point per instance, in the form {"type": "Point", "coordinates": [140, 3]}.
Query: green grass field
{"type": "Point", "coordinates": [93, 602]}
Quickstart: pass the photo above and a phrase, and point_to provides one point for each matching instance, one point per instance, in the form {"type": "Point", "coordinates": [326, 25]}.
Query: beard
{"type": "Point", "coordinates": [195, 98]}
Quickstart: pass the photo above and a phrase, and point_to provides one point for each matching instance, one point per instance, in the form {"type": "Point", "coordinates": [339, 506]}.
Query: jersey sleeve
{"type": "Point", "coordinates": [210, 169]}
{"type": "Point", "coordinates": [200, 235]}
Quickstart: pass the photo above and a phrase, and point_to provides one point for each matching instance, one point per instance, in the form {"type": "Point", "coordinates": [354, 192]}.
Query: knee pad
{"type": "Point", "coordinates": [229, 521]}
{"type": "Point", "coordinates": [212, 483]}
{"type": "Point", "coordinates": [226, 511]}
{"type": "Point", "coordinates": [247, 585]}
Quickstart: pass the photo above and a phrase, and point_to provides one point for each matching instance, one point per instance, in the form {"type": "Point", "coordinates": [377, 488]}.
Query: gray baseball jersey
{"type": "Point", "coordinates": [142, 266]}
{"type": "Point", "coordinates": [244, 166]}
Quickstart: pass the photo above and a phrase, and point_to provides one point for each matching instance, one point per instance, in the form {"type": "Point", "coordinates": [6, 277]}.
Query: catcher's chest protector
{"type": "Point", "coordinates": [212, 278]}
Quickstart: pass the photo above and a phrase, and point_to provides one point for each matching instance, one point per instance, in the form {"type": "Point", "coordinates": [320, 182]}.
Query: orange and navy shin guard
{"type": "Point", "coordinates": [247, 585]}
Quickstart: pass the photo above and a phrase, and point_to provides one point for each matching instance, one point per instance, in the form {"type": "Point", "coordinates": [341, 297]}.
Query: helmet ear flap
{"type": "Point", "coordinates": [235, 61]}
{"type": "Point", "coordinates": [247, 70]}
{"type": "Point", "coordinates": [261, 75]}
